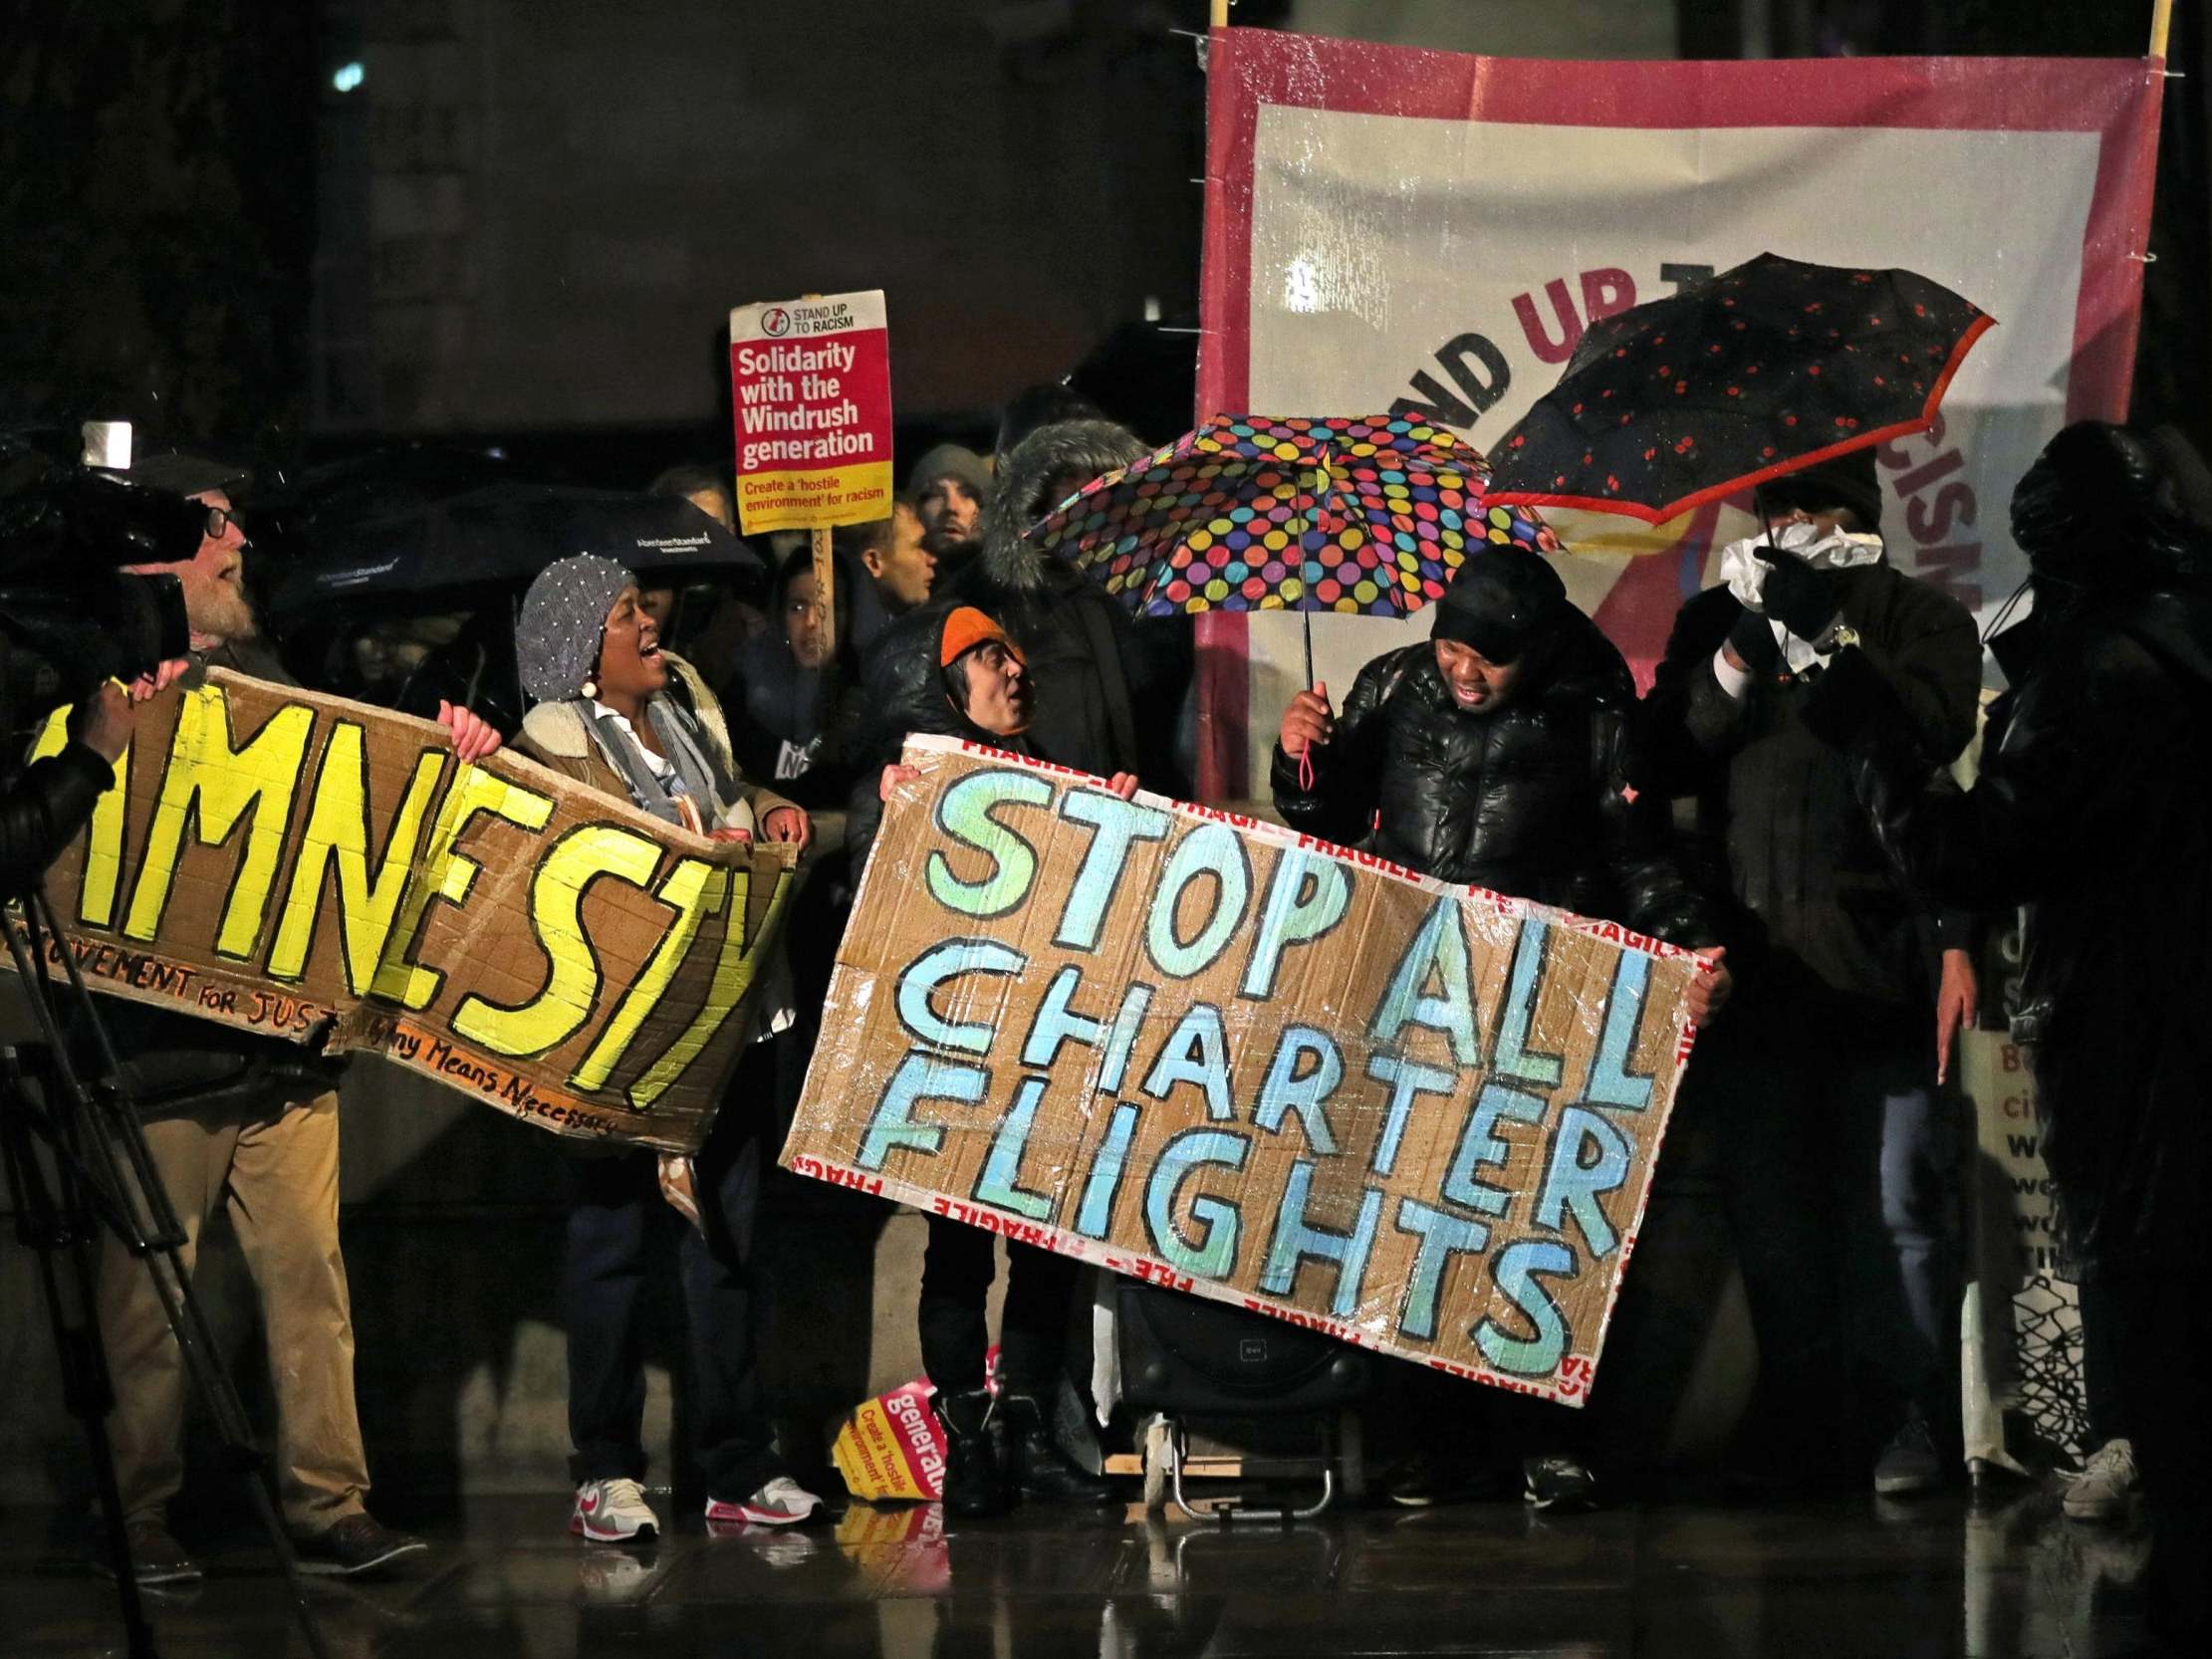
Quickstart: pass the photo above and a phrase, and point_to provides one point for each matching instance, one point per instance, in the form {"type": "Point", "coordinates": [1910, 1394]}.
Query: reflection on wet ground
{"type": "Point", "coordinates": [1844, 1576]}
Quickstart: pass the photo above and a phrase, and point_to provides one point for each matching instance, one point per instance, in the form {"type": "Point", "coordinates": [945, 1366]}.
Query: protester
{"type": "Point", "coordinates": [896, 556]}
{"type": "Point", "coordinates": [1497, 753]}
{"type": "Point", "coordinates": [251, 1124]}
{"type": "Point", "coordinates": [1103, 693]}
{"type": "Point", "coordinates": [1840, 1162]}
{"type": "Point", "coordinates": [2092, 807]}
{"type": "Point", "coordinates": [948, 487]}
{"type": "Point", "coordinates": [952, 671]}
{"type": "Point", "coordinates": [788, 697]}
{"type": "Point", "coordinates": [607, 712]}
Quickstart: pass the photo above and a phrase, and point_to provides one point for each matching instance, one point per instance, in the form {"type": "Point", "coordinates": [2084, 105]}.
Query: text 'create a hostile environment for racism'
{"type": "Point", "coordinates": [1256, 1067]}
{"type": "Point", "coordinates": [307, 867]}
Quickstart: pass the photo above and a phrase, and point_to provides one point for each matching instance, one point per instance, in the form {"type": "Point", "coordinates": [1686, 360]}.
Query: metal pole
{"type": "Point", "coordinates": [1220, 17]}
{"type": "Point", "coordinates": [2161, 25]}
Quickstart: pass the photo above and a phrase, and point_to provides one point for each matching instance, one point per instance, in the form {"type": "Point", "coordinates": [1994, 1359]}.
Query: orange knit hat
{"type": "Point", "coordinates": [967, 628]}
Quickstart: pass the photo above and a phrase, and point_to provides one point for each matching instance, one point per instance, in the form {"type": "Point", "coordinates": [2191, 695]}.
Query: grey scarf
{"type": "Point", "coordinates": [698, 773]}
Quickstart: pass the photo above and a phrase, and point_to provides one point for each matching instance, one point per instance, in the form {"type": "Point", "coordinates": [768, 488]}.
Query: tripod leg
{"type": "Point", "coordinates": [53, 1227]}
{"type": "Point", "coordinates": [100, 1150]}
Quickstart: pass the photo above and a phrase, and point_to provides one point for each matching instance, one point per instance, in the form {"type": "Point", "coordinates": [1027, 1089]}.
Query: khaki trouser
{"type": "Point", "coordinates": [278, 1173]}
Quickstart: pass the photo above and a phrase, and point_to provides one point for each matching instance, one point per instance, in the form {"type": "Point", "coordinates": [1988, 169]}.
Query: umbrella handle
{"type": "Point", "coordinates": [1306, 754]}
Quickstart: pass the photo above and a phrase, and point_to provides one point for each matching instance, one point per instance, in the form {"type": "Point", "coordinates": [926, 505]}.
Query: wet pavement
{"type": "Point", "coordinates": [1855, 1576]}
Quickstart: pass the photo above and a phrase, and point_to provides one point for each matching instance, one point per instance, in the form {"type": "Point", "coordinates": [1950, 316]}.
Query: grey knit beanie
{"type": "Point", "coordinates": [557, 639]}
{"type": "Point", "coordinates": [951, 460]}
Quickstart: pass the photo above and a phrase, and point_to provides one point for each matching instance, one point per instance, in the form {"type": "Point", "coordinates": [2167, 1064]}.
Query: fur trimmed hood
{"type": "Point", "coordinates": [1089, 447]}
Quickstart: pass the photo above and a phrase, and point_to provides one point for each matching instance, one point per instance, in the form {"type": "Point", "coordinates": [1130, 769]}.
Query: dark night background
{"type": "Point", "coordinates": [526, 221]}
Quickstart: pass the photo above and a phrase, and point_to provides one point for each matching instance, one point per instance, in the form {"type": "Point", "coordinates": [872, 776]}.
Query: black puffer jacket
{"type": "Point", "coordinates": [1778, 828]}
{"type": "Point", "coordinates": [1534, 799]}
{"type": "Point", "coordinates": [1106, 691]}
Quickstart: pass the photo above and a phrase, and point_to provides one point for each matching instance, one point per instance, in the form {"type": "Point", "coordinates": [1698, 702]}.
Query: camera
{"type": "Point", "coordinates": [70, 616]}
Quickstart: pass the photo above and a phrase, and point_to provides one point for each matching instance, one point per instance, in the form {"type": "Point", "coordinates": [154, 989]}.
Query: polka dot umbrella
{"type": "Point", "coordinates": [1360, 515]}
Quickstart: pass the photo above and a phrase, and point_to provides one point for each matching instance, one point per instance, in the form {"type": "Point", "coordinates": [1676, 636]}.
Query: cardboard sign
{"type": "Point", "coordinates": [1249, 1064]}
{"type": "Point", "coordinates": [811, 384]}
{"type": "Point", "coordinates": [296, 865]}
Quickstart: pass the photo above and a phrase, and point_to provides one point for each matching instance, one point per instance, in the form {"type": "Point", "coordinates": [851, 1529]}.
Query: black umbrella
{"type": "Point", "coordinates": [503, 534]}
{"type": "Point", "coordinates": [1755, 372]}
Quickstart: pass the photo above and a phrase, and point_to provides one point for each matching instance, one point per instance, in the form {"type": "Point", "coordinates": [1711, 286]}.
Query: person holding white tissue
{"type": "Point", "coordinates": [1838, 1154]}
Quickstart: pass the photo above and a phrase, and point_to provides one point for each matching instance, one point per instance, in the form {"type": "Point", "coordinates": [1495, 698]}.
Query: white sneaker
{"type": "Point", "coordinates": [2101, 1490]}
{"type": "Point", "coordinates": [783, 1501]}
{"type": "Point", "coordinates": [613, 1512]}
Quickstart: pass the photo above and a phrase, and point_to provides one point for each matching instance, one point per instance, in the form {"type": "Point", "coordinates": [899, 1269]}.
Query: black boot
{"type": "Point", "coordinates": [1041, 1471]}
{"type": "Point", "coordinates": [975, 1485]}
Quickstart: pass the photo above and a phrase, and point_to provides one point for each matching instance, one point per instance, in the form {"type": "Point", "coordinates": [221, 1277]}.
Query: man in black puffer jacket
{"type": "Point", "coordinates": [1497, 753]}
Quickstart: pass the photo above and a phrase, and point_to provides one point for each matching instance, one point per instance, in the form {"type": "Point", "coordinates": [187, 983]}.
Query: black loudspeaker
{"type": "Point", "coordinates": [1189, 1358]}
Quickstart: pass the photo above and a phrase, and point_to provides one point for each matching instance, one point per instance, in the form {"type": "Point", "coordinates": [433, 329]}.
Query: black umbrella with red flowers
{"type": "Point", "coordinates": [1757, 371]}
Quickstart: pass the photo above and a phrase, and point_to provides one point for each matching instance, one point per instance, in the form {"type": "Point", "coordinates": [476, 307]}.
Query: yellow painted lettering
{"type": "Point", "coordinates": [693, 890]}
{"type": "Point", "coordinates": [557, 891]}
{"type": "Point", "coordinates": [733, 973]}
{"type": "Point", "coordinates": [474, 791]}
{"type": "Point", "coordinates": [337, 835]}
{"type": "Point", "coordinates": [209, 786]}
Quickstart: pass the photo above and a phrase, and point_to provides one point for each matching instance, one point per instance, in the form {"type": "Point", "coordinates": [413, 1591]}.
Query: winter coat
{"type": "Point", "coordinates": [1535, 798]}
{"type": "Point", "coordinates": [555, 736]}
{"type": "Point", "coordinates": [1778, 825]}
{"type": "Point", "coordinates": [2093, 808]}
{"type": "Point", "coordinates": [1106, 691]}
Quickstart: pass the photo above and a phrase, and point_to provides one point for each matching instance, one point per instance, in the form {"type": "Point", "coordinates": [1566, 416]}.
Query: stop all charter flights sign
{"type": "Point", "coordinates": [1245, 1063]}
{"type": "Point", "coordinates": [811, 384]}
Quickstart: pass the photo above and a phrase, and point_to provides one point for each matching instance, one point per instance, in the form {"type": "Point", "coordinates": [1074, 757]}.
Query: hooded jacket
{"type": "Point", "coordinates": [903, 690]}
{"type": "Point", "coordinates": [1099, 690]}
{"type": "Point", "coordinates": [2093, 809]}
{"type": "Point", "coordinates": [1778, 826]}
{"type": "Point", "coordinates": [1534, 798]}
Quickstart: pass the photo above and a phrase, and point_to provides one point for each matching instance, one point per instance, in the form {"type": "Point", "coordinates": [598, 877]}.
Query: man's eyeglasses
{"type": "Point", "coordinates": [220, 518]}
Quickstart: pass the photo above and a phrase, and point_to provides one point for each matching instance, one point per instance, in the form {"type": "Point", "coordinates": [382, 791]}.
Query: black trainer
{"type": "Point", "coordinates": [358, 1543]}
{"type": "Point", "coordinates": [974, 1485]}
{"type": "Point", "coordinates": [1040, 1470]}
{"type": "Point", "coordinates": [1559, 1484]}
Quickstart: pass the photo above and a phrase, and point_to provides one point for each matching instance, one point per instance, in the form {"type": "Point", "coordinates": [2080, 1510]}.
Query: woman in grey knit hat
{"type": "Point", "coordinates": [613, 709]}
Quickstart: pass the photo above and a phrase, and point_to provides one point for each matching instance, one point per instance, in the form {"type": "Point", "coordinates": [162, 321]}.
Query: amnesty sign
{"type": "Point", "coordinates": [307, 867]}
{"type": "Point", "coordinates": [1219, 1055]}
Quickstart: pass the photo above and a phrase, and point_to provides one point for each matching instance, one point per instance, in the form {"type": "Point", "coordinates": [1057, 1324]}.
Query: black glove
{"type": "Point", "coordinates": [1753, 641]}
{"type": "Point", "coordinates": [1797, 595]}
